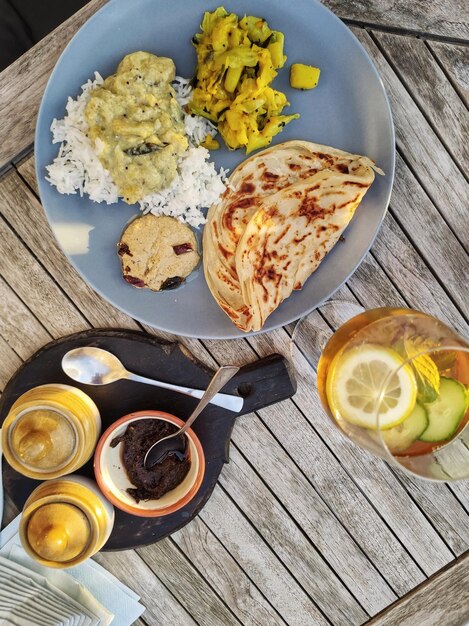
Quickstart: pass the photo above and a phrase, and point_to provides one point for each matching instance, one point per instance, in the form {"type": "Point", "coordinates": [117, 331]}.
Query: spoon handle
{"type": "Point", "coordinates": [220, 379]}
{"type": "Point", "coordinates": [232, 403]}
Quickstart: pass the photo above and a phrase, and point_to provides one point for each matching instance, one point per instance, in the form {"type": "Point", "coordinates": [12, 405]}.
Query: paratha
{"type": "Point", "coordinates": [268, 177]}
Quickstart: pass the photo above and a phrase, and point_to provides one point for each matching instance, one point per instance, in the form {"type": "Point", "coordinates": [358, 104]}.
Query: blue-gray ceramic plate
{"type": "Point", "coordinates": [347, 110]}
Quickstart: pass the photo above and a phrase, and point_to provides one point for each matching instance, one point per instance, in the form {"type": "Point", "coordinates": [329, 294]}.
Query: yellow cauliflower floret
{"type": "Point", "coordinates": [237, 61]}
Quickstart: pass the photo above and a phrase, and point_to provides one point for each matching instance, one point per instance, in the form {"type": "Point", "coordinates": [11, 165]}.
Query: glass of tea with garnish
{"type": "Point", "coordinates": [396, 382]}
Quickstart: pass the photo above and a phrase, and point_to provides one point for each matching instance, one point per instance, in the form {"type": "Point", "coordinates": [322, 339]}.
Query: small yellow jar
{"type": "Point", "coordinates": [65, 521]}
{"type": "Point", "coordinates": [50, 431]}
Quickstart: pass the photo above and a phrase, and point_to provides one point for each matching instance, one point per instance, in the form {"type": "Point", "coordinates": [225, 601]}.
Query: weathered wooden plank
{"type": "Point", "coordinates": [310, 511]}
{"type": "Point", "coordinates": [184, 582]}
{"type": "Point", "coordinates": [224, 574]}
{"type": "Point", "coordinates": [447, 513]}
{"type": "Point", "coordinates": [455, 60]}
{"type": "Point", "coordinates": [426, 155]}
{"type": "Point", "coordinates": [428, 85]}
{"type": "Point", "coordinates": [9, 362]}
{"type": "Point", "coordinates": [338, 491]}
{"type": "Point", "coordinates": [461, 491]}
{"type": "Point", "coordinates": [18, 326]}
{"type": "Point", "coordinates": [252, 554]}
{"type": "Point", "coordinates": [161, 607]}
{"type": "Point", "coordinates": [434, 241]}
{"type": "Point", "coordinates": [22, 84]}
{"type": "Point", "coordinates": [30, 223]}
{"type": "Point", "coordinates": [34, 230]}
{"type": "Point", "coordinates": [297, 553]}
{"type": "Point", "coordinates": [445, 19]}
{"type": "Point", "coordinates": [26, 167]}
{"type": "Point", "coordinates": [35, 287]}
{"type": "Point", "coordinates": [372, 476]}
{"type": "Point", "coordinates": [395, 254]}
{"type": "Point", "coordinates": [444, 599]}
{"type": "Point", "coordinates": [373, 275]}
{"type": "Point", "coordinates": [381, 487]}
{"type": "Point", "coordinates": [280, 531]}
{"type": "Point", "coordinates": [372, 286]}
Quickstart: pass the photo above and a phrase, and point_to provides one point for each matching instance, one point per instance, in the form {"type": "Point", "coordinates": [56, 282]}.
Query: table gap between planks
{"type": "Point", "coordinates": [304, 528]}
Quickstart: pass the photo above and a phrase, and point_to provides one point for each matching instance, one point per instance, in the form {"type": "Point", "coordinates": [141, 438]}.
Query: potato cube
{"type": "Point", "coordinates": [304, 76]}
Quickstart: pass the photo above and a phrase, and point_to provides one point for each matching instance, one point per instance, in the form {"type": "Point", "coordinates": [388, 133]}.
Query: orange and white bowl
{"type": "Point", "coordinates": [113, 481]}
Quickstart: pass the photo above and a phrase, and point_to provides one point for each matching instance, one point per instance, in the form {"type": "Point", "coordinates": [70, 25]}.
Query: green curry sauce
{"type": "Point", "coordinates": [137, 125]}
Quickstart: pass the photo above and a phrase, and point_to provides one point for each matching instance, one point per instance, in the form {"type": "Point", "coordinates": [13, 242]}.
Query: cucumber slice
{"type": "Point", "coordinates": [402, 436]}
{"type": "Point", "coordinates": [446, 413]}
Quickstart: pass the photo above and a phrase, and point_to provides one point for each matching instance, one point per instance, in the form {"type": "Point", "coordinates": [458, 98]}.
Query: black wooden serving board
{"type": "Point", "coordinates": [261, 383]}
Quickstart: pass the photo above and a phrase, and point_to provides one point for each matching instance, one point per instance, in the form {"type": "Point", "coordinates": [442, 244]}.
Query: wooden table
{"type": "Point", "coordinates": [304, 528]}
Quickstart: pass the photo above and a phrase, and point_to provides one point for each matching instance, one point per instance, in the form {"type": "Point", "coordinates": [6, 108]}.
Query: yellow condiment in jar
{"type": "Point", "coordinates": [50, 431]}
{"type": "Point", "coordinates": [65, 521]}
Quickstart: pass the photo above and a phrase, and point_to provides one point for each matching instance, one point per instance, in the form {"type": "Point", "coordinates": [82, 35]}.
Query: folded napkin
{"type": "Point", "coordinates": [88, 585]}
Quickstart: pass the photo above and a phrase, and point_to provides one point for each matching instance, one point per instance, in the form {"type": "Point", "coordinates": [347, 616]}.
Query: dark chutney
{"type": "Point", "coordinates": [151, 483]}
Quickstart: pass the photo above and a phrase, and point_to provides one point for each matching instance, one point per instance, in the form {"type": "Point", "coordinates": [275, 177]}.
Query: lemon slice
{"type": "Point", "coordinates": [355, 379]}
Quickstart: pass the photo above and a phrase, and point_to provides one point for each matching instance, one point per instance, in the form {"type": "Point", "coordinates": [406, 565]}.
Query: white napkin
{"type": "Point", "coordinates": [47, 597]}
{"type": "Point", "coordinates": [89, 584]}
{"type": "Point", "coordinates": [12, 591]}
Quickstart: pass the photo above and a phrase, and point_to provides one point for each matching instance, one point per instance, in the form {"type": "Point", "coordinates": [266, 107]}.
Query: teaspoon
{"type": "Point", "coordinates": [167, 445]}
{"type": "Point", "coordinates": [94, 366]}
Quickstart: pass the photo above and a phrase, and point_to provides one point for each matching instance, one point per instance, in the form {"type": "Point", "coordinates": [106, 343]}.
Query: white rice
{"type": "Point", "coordinates": [78, 169]}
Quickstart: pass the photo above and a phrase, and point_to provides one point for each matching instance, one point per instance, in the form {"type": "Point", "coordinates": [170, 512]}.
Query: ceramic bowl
{"type": "Point", "coordinates": [55, 532]}
{"type": "Point", "coordinates": [27, 419]}
{"type": "Point", "coordinates": [113, 481]}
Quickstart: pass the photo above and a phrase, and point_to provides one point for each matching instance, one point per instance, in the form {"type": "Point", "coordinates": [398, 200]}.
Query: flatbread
{"type": "Point", "coordinates": [251, 186]}
{"type": "Point", "coordinates": [286, 239]}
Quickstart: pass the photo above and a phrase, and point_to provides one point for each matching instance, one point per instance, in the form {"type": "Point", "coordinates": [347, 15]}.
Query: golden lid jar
{"type": "Point", "coordinates": [65, 521]}
{"type": "Point", "coordinates": [51, 430]}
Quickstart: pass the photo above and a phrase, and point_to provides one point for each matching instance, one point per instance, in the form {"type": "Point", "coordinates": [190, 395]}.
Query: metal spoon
{"type": "Point", "coordinates": [161, 448]}
{"type": "Point", "coordinates": [94, 366]}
